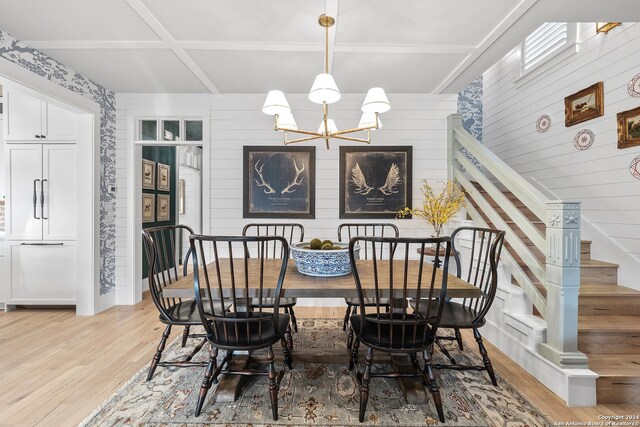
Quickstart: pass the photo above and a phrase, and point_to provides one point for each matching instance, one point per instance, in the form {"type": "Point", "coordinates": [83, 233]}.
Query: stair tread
{"type": "Point", "coordinates": [615, 365]}
{"type": "Point", "coordinates": [621, 323]}
{"type": "Point", "coordinates": [594, 263]}
{"type": "Point", "coordinates": [599, 289]}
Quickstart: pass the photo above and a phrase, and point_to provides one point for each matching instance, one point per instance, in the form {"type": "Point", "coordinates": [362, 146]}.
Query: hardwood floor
{"type": "Point", "coordinates": [56, 367]}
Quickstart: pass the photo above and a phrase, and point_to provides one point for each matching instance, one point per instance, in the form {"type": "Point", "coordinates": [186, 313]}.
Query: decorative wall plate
{"type": "Point", "coordinates": [634, 167]}
{"type": "Point", "coordinates": [634, 86]}
{"type": "Point", "coordinates": [584, 139]}
{"type": "Point", "coordinates": [543, 124]}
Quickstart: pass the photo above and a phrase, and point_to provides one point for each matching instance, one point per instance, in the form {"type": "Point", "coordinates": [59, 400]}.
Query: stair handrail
{"type": "Point", "coordinates": [561, 248]}
{"type": "Point", "coordinates": [519, 186]}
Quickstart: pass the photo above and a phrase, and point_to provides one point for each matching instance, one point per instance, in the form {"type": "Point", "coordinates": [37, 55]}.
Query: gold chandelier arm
{"type": "Point", "coordinates": [303, 132]}
{"type": "Point", "coordinates": [342, 132]}
{"type": "Point", "coordinates": [293, 141]}
{"type": "Point", "coordinates": [348, 138]}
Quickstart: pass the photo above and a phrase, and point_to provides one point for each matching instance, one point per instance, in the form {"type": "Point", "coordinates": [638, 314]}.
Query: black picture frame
{"type": "Point", "coordinates": [269, 190]}
{"type": "Point", "coordinates": [370, 186]}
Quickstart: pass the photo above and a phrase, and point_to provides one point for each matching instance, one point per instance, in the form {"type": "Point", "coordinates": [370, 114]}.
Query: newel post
{"type": "Point", "coordinates": [563, 284]}
{"type": "Point", "coordinates": [453, 121]}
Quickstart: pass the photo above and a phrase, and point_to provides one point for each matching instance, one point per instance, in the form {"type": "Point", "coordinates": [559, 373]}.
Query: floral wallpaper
{"type": "Point", "coordinates": [11, 49]}
{"type": "Point", "coordinates": [470, 108]}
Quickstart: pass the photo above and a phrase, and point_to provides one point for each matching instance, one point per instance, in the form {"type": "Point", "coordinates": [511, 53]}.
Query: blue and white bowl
{"type": "Point", "coordinates": [321, 263]}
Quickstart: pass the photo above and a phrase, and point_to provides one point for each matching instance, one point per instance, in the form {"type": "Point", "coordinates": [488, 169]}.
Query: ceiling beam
{"type": "Point", "coordinates": [498, 31]}
{"type": "Point", "coordinates": [149, 18]}
{"type": "Point", "coordinates": [97, 44]}
{"type": "Point", "coordinates": [249, 46]}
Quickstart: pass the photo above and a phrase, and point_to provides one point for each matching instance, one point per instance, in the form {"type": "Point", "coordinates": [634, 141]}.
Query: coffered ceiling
{"type": "Point", "coordinates": [250, 46]}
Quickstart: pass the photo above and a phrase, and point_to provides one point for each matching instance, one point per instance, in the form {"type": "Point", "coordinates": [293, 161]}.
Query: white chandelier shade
{"type": "Point", "coordinates": [370, 119]}
{"type": "Point", "coordinates": [287, 122]}
{"type": "Point", "coordinates": [376, 101]}
{"type": "Point", "coordinates": [276, 103]}
{"type": "Point", "coordinates": [324, 91]}
{"type": "Point", "coordinates": [331, 126]}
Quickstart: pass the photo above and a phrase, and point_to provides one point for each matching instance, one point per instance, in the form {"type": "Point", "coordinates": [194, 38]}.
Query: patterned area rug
{"type": "Point", "coordinates": [313, 394]}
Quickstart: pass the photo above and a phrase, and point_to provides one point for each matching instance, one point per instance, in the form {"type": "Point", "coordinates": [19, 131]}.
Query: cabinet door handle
{"type": "Point", "coordinates": [35, 198]}
{"type": "Point", "coordinates": [43, 136]}
{"type": "Point", "coordinates": [38, 136]}
{"type": "Point", "coordinates": [41, 244]}
{"type": "Point", "coordinates": [42, 198]}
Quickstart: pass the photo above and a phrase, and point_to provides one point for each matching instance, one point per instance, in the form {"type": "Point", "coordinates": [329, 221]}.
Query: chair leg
{"type": "Point", "coordinates": [294, 322]}
{"type": "Point", "coordinates": [208, 379]}
{"type": "Point", "coordinates": [286, 352]}
{"type": "Point", "coordinates": [346, 318]}
{"type": "Point", "coordinates": [364, 386]}
{"type": "Point", "coordinates": [158, 355]}
{"type": "Point", "coordinates": [429, 377]}
{"type": "Point", "coordinates": [485, 356]}
{"type": "Point", "coordinates": [354, 354]}
{"type": "Point", "coordinates": [414, 360]}
{"type": "Point", "coordinates": [273, 386]}
{"type": "Point", "coordinates": [288, 337]}
{"type": "Point", "coordinates": [185, 335]}
{"type": "Point", "coordinates": [459, 338]}
{"type": "Point", "coordinates": [350, 335]}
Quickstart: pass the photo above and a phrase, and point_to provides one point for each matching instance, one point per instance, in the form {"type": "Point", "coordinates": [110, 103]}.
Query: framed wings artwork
{"type": "Point", "coordinates": [375, 182]}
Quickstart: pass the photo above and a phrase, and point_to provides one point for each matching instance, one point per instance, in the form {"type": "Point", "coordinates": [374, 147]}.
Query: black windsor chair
{"type": "Point", "coordinates": [481, 270]}
{"type": "Point", "coordinates": [398, 331]}
{"type": "Point", "coordinates": [164, 269]}
{"type": "Point", "coordinates": [293, 233]}
{"type": "Point", "coordinates": [234, 275]}
{"type": "Point", "coordinates": [347, 231]}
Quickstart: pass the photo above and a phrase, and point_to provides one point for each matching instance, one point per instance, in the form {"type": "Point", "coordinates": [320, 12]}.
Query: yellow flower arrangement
{"type": "Point", "coordinates": [437, 209]}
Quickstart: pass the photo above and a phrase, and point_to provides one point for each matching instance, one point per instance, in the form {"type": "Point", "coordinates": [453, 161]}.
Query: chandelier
{"type": "Point", "coordinates": [325, 91]}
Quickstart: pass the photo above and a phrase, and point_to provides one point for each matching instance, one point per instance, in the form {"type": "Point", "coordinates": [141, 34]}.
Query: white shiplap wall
{"type": "Point", "coordinates": [416, 120]}
{"type": "Point", "coordinates": [236, 120]}
{"type": "Point", "coordinates": [598, 176]}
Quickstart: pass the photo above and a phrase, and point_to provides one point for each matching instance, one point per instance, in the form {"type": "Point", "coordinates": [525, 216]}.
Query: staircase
{"type": "Point", "coordinates": [609, 315]}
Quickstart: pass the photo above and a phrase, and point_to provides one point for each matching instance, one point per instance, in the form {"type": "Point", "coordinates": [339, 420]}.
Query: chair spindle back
{"type": "Point", "coordinates": [161, 246]}
{"type": "Point", "coordinates": [291, 232]}
{"type": "Point", "coordinates": [349, 230]}
{"type": "Point", "coordinates": [481, 267]}
{"type": "Point", "coordinates": [400, 275]}
{"type": "Point", "coordinates": [223, 269]}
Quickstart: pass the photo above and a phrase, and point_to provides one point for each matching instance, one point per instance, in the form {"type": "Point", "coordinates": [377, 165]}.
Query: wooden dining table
{"type": "Point", "coordinates": [300, 285]}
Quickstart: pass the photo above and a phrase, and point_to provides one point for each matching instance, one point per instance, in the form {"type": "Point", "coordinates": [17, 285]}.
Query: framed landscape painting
{"type": "Point", "coordinates": [279, 182]}
{"type": "Point", "coordinates": [629, 128]}
{"type": "Point", "coordinates": [375, 182]}
{"type": "Point", "coordinates": [584, 105]}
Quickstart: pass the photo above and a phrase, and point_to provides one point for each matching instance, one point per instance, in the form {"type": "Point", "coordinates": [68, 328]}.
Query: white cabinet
{"type": "Point", "coordinates": [41, 192]}
{"type": "Point", "coordinates": [30, 119]}
{"type": "Point", "coordinates": [42, 273]}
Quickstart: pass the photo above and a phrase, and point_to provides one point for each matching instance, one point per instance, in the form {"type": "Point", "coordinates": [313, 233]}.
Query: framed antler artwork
{"type": "Point", "coordinates": [375, 182]}
{"type": "Point", "coordinates": [279, 182]}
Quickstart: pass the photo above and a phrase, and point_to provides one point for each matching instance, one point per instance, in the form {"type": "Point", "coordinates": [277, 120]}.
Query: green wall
{"type": "Point", "coordinates": [166, 155]}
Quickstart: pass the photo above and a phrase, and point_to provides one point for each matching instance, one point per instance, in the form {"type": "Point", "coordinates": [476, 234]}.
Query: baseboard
{"type": "Point", "coordinates": [515, 334]}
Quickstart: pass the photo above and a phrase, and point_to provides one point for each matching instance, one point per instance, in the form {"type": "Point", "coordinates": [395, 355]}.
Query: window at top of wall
{"type": "Point", "coordinates": [547, 42]}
